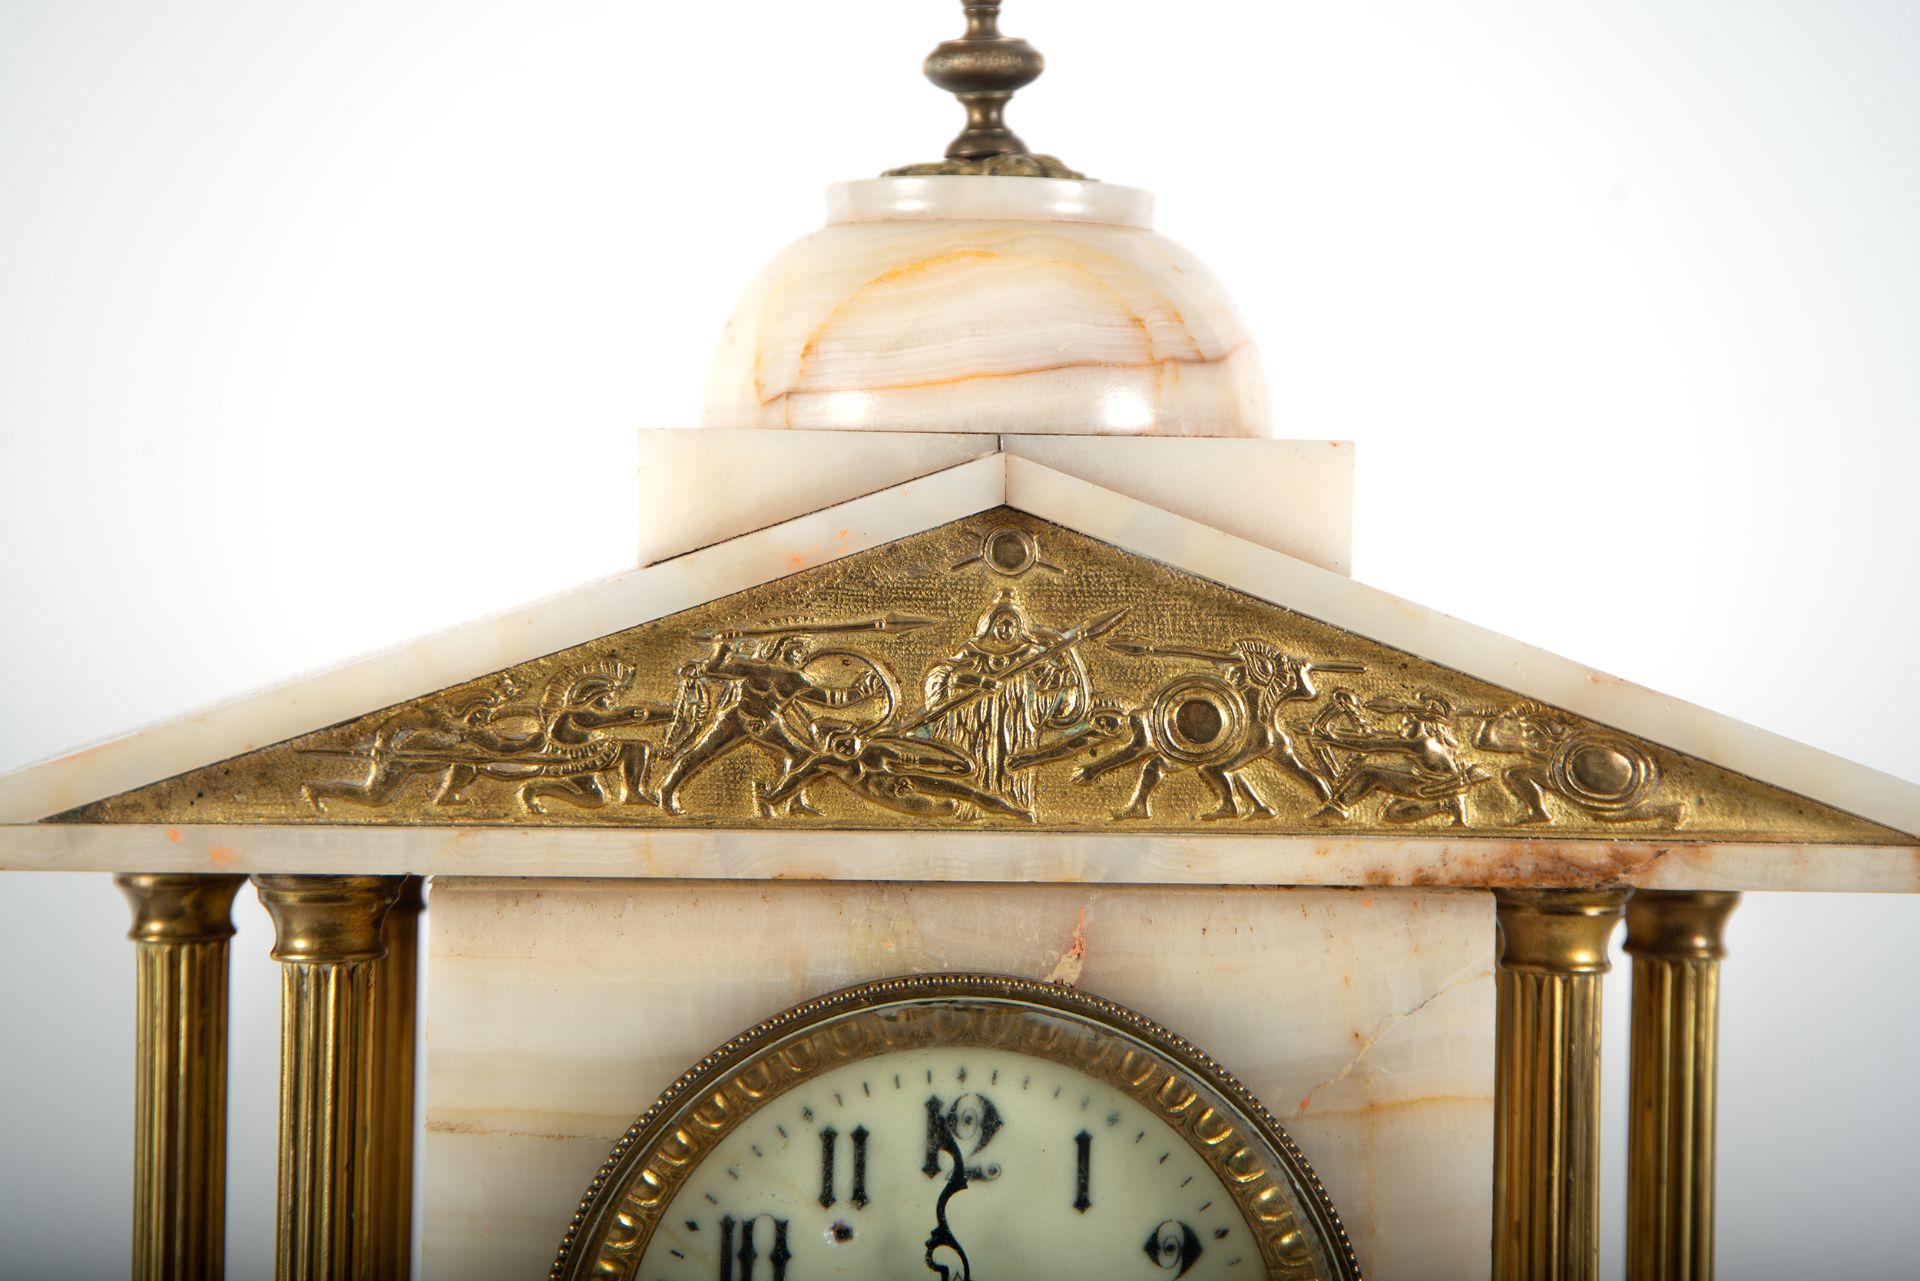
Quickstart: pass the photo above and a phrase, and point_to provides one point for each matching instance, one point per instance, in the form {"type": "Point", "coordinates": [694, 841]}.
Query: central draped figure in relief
{"type": "Point", "coordinates": [1028, 680]}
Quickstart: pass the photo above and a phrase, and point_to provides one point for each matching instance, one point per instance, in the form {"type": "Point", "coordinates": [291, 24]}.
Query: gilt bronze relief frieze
{"type": "Point", "coordinates": [999, 672]}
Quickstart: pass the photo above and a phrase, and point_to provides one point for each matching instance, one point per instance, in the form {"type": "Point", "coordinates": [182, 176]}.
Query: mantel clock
{"type": "Point", "coordinates": [988, 671]}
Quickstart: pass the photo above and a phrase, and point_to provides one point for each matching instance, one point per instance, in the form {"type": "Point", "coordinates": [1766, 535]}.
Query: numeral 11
{"type": "Point", "coordinates": [829, 1150]}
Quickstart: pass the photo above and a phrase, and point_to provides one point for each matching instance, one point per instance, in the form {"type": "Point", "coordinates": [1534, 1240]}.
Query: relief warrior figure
{"type": "Point", "coordinates": [564, 755]}
{"type": "Point", "coordinates": [1218, 726]}
{"type": "Point", "coordinates": [758, 691]}
{"type": "Point", "coordinates": [1414, 764]}
{"type": "Point", "coordinates": [907, 775]}
{"type": "Point", "coordinates": [1005, 687]}
{"type": "Point", "coordinates": [1608, 776]}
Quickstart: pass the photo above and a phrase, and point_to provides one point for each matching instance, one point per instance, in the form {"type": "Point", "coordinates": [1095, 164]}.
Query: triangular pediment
{"type": "Point", "coordinates": [996, 671]}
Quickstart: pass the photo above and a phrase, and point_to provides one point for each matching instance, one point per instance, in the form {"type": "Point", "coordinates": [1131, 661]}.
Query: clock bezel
{"type": "Point", "coordinates": [1177, 1080]}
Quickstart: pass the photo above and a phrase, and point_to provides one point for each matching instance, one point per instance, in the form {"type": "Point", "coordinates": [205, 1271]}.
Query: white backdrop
{"type": "Point", "coordinates": [324, 326]}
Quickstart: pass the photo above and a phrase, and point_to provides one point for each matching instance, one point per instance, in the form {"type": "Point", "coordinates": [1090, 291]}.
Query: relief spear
{"type": "Point", "coordinates": [1138, 649]}
{"type": "Point", "coordinates": [886, 625]}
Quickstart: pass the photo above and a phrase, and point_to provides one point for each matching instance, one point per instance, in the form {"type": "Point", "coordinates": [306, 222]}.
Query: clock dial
{"type": "Point", "coordinates": [959, 1129]}
{"type": "Point", "coordinates": [960, 1162]}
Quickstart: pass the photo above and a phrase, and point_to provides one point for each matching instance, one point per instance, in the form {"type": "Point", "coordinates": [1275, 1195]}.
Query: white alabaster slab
{"type": "Point", "coordinates": [477, 649]}
{"type": "Point", "coordinates": [1010, 316]}
{"type": "Point", "coordinates": [557, 1012]}
{"type": "Point", "coordinates": [947, 197]}
{"type": "Point", "coordinates": [698, 488]}
{"type": "Point", "coordinates": [871, 521]}
{"type": "Point", "coordinates": [1291, 496]}
{"type": "Point", "coordinates": [1441, 638]}
{"type": "Point", "coordinates": [1117, 856]}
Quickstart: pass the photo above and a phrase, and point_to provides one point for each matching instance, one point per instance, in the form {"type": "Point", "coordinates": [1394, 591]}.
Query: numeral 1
{"type": "Point", "coordinates": [1084, 1170]}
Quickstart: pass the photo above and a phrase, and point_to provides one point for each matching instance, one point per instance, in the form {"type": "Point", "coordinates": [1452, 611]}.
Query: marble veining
{"type": "Point", "coordinates": [558, 1010]}
{"type": "Point", "coordinates": [1006, 317]}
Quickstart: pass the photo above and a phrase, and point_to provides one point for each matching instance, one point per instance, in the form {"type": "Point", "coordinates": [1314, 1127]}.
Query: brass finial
{"type": "Point", "coordinates": [984, 69]}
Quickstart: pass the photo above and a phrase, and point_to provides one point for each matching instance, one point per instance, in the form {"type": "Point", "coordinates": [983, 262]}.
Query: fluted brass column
{"type": "Point", "coordinates": [1546, 1117]}
{"type": "Point", "coordinates": [395, 983]}
{"type": "Point", "coordinates": [328, 936]}
{"type": "Point", "coordinates": [181, 924]}
{"type": "Point", "coordinates": [1676, 940]}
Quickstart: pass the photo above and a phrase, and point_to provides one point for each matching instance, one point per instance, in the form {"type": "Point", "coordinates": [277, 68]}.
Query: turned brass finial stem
{"type": "Point", "coordinates": [984, 69]}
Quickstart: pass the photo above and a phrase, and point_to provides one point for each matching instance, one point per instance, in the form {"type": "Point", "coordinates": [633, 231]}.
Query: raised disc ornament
{"type": "Point", "coordinates": [962, 1128]}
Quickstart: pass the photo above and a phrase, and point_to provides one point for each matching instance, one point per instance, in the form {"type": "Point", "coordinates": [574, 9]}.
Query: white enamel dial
{"type": "Point", "coordinates": [956, 1127]}
{"type": "Point", "coordinates": [853, 1175]}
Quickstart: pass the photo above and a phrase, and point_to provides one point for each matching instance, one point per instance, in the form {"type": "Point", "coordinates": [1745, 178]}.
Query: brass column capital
{"type": "Point", "coordinates": [179, 908]}
{"type": "Point", "coordinates": [1558, 931]}
{"type": "Point", "coordinates": [181, 924]}
{"type": "Point", "coordinates": [1546, 1126]}
{"type": "Point", "coordinates": [328, 920]}
{"type": "Point", "coordinates": [1680, 925]}
{"type": "Point", "coordinates": [1677, 941]}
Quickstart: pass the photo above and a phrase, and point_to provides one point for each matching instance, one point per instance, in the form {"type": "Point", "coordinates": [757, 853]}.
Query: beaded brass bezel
{"type": "Point", "coordinates": [1283, 1202]}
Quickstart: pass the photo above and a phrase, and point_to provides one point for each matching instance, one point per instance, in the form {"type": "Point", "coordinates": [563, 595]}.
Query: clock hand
{"type": "Point", "coordinates": [942, 1235]}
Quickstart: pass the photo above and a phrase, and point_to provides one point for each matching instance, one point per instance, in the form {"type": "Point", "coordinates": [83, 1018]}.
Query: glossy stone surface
{"type": "Point", "coordinates": [874, 520]}
{"type": "Point", "coordinates": [699, 488]}
{"type": "Point", "coordinates": [988, 305]}
{"type": "Point", "coordinates": [559, 1010]}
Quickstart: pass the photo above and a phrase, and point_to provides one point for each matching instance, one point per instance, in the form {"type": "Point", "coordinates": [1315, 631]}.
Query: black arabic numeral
{"type": "Point", "coordinates": [1083, 1170]}
{"type": "Point", "coordinates": [970, 1121]}
{"type": "Point", "coordinates": [936, 1135]}
{"type": "Point", "coordinates": [829, 1152]}
{"type": "Point", "coordinates": [829, 1140]}
{"type": "Point", "coordinates": [1174, 1247]}
{"type": "Point", "coordinates": [859, 1137]}
{"type": "Point", "coordinates": [747, 1256]}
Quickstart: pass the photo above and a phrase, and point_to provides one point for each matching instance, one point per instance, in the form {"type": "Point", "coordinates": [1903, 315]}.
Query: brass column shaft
{"type": "Point", "coordinates": [1677, 941]}
{"type": "Point", "coordinates": [326, 1121]}
{"type": "Point", "coordinates": [1546, 1143]}
{"type": "Point", "coordinates": [181, 925]}
{"type": "Point", "coordinates": [329, 932]}
{"type": "Point", "coordinates": [396, 996]}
